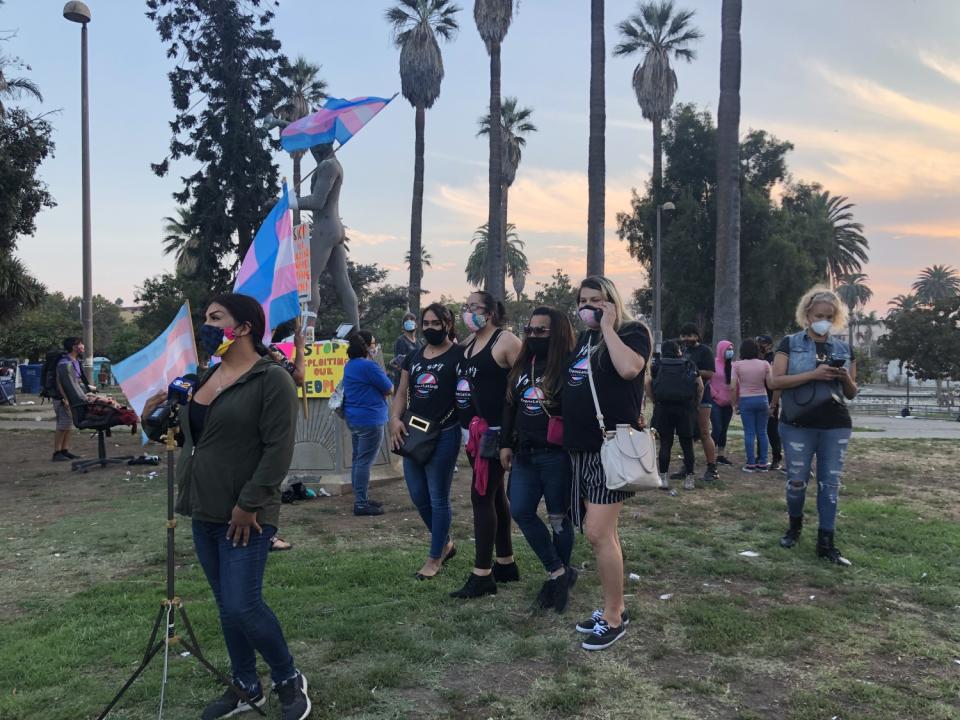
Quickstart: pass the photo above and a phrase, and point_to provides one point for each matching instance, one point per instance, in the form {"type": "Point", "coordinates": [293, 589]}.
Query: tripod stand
{"type": "Point", "coordinates": [171, 606]}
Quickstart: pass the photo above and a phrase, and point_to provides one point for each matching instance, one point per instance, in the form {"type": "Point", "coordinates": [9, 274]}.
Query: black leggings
{"type": "Point", "coordinates": [670, 420]}
{"type": "Point", "coordinates": [773, 435]}
{"type": "Point", "coordinates": [491, 518]}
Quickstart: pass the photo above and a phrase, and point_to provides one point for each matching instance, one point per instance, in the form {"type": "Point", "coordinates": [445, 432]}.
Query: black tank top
{"type": "Point", "coordinates": [481, 385]}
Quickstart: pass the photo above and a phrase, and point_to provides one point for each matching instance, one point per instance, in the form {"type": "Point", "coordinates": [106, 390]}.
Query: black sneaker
{"type": "Point", "coordinates": [722, 460]}
{"type": "Point", "coordinates": [374, 503]}
{"type": "Point", "coordinates": [587, 626]}
{"type": "Point", "coordinates": [294, 701]}
{"type": "Point", "coordinates": [603, 636]}
{"type": "Point", "coordinates": [506, 573]}
{"type": "Point", "coordinates": [230, 704]}
{"type": "Point", "coordinates": [711, 474]}
{"type": "Point", "coordinates": [69, 455]}
{"type": "Point", "coordinates": [59, 457]}
{"type": "Point", "coordinates": [367, 510]}
{"type": "Point", "coordinates": [561, 588]}
{"type": "Point", "coordinates": [476, 586]}
{"type": "Point", "coordinates": [545, 596]}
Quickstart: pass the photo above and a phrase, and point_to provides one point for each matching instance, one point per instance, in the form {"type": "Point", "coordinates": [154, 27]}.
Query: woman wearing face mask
{"type": "Point", "coordinates": [427, 389]}
{"type": "Point", "coordinates": [532, 450]}
{"type": "Point", "coordinates": [365, 389]}
{"type": "Point", "coordinates": [721, 411]}
{"type": "Point", "coordinates": [615, 348]}
{"type": "Point", "coordinates": [815, 373]}
{"type": "Point", "coordinates": [238, 432]}
{"type": "Point", "coordinates": [405, 344]}
{"type": "Point", "coordinates": [488, 354]}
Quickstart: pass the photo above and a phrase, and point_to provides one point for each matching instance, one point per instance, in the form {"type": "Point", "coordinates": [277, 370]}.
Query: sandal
{"type": "Point", "coordinates": [278, 544]}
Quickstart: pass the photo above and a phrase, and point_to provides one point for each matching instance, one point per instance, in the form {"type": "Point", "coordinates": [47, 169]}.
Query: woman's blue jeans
{"type": "Point", "coordinates": [235, 575]}
{"type": "Point", "coordinates": [543, 473]}
{"type": "Point", "coordinates": [366, 442]}
{"type": "Point", "coordinates": [799, 447]}
{"type": "Point", "coordinates": [429, 487]}
{"type": "Point", "coordinates": [720, 417]}
{"type": "Point", "coordinates": [754, 411]}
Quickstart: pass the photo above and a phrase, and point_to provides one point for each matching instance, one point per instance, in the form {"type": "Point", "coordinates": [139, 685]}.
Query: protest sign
{"type": "Point", "coordinates": [301, 253]}
{"type": "Point", "coordinates": [323, 366]}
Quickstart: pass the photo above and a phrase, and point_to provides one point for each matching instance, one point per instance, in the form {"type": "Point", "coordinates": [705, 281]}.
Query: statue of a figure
{"type": "Point", "coordinates": [328, 241]}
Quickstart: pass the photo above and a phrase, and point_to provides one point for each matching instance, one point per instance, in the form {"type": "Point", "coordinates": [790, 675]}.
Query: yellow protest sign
{"type": "Point", "coordinates": [323, 366]}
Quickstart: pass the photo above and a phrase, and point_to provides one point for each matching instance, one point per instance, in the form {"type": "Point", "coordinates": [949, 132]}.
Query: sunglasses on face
{"type": "Point", "coordinates": [536, 331]}
{"type": "Point", "coordinates": [474, 307]}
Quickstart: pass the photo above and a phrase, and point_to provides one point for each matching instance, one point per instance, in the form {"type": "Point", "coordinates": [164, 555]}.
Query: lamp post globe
{"type": "Point", "coordinates": [76, 11]}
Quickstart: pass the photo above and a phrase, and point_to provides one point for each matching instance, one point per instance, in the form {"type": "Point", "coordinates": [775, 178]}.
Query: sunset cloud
{"type": "Point", "coordinates": [948, 69]}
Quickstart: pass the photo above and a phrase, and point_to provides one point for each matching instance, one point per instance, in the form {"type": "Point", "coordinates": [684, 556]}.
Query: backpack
{"type": "Point", "coordinates": [676, 381]}
{"type": "Point", "coordinates": [48, 375]}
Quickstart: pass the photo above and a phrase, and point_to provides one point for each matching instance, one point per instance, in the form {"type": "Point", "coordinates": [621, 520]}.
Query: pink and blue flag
{"type": "Point", "coordinates": [149, 371]}
{"type": "Point", "coordinates": [269, 270]}
{"type": "Point", "coordinates": [338, 120]}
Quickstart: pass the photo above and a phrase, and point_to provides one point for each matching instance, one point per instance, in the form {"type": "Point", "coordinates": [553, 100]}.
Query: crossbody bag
{"type": "Point", "coordinates": [554, 422]}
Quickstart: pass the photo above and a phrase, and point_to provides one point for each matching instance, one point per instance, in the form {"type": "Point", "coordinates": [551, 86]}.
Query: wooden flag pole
{"type": "Point", "coordinates": [303, 383]}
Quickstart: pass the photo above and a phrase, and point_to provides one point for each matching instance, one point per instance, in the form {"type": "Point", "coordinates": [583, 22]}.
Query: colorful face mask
{"type": "Point", "coordinates": [474, 322]}
{"type": "Point", "coordinates": [216, 340]}
{"type": "Point", "coordinates": [590, 316]}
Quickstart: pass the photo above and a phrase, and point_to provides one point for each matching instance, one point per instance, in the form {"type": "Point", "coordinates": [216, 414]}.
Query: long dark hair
{"type": "Point", "coordinates": [496, 308]}
{"type": "Point", "coordinates": [562, 341]}
{"type": "Point", "coordinates": [360, 342]}
{"type": "Point", "coordinates": [444, 316]}
{"type": "Point", "coordinates": [245, 310]}
{"type": "Point", "coordinates": [749, 350]}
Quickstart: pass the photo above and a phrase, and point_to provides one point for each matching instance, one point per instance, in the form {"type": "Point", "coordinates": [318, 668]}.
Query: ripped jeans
{"type": "Point", "coordinates": [543, 473]}
{"type": "Point", "coordinates": [799, 447]}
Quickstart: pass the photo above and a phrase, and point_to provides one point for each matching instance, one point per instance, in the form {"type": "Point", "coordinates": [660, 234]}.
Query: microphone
{"type": "Point", "coordinates": [178, 393]}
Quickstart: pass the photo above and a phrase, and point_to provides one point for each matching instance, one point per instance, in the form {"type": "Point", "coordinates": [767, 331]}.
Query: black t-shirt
{"type": "Point", "coordinates": [702, 357]}
{"type": "Point", "coordinates": [829, 416]}
{"type": "Point", "coordinates": [431, 392]}
{"type": "Point", "coordinates": [524, 418]}
{"type": "Point", "coordinates": [621, 401]}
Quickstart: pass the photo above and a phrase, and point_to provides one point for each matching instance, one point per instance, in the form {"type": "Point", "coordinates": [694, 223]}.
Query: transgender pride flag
{"type": "Point", "coordinates": [269, 270]}
{"type": "Point", "coordinates": [338, 120]}
{"type": "Point", "coordinates": [152, 369]}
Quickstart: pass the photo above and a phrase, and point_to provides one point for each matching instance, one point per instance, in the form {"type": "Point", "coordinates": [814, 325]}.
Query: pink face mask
{"type": "Point", "coordinates": [588, 314]}
{"type": "Point", "coordinates": [474, 322]}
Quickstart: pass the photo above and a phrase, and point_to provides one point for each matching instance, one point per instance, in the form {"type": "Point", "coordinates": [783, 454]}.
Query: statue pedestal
{"type": "Point", "coordinates": [323, 452]}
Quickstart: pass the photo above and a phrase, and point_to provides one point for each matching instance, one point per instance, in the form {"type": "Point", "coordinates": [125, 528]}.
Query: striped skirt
{"type": "Point", "coordinates": [590, 485]}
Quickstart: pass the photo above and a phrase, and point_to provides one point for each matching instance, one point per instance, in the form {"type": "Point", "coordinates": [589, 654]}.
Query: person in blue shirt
{"type": "Point", "coordinates": [365, 391]}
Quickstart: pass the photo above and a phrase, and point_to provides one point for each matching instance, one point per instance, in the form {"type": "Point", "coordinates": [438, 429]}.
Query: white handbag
{"type": "Point", "coordinates": [628, 455]}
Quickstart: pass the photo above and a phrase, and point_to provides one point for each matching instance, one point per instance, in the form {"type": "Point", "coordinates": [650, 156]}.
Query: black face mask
{"type": "Point", "coordinates": [434, 336]}
{"type": "Point", "coordinates": [538, 347]}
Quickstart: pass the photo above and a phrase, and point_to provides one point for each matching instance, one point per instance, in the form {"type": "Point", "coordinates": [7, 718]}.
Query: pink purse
{"type": "Point", "coordinates": [554, 422]}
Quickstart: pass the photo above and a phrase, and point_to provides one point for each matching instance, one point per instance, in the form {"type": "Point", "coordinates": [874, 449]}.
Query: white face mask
{"type": "Point", "coordinates": [821, 327]}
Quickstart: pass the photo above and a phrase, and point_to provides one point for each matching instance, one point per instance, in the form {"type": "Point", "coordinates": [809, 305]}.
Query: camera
{"type": "Point", "coordinates": [178, 393]}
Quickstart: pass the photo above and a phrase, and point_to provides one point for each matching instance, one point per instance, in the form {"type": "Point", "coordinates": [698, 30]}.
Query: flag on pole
{"type": "Point", "coordinates": [338, 120]}
{"type": "Point", "coordinates": [269, 270]}
{"type": "Point", "coordinates": [149, 371]}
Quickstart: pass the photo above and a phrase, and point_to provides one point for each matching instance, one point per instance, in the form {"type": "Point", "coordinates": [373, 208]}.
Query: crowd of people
{"type": "Point", "coordinates": [526, 410]}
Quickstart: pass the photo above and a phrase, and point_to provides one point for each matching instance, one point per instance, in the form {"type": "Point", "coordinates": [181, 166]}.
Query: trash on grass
{"type": "Point", "coordinates": [634, 577]}
{"type": "Point", "coordinates": [666, 596]}
{"type": "Point", "coordinates": [750, 553]}
{"type": "Point", "coordinates": [322, 492]}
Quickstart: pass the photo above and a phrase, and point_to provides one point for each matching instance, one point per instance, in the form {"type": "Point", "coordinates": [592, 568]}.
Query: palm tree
{"type": "Point", "coordinates": [657, 32]}
{"type": "Point", "coordinates": [902, 303]}
{"type": "Point", "coordinates": [13, 88]}
{"type": "Point", "coordinates": [848, 247]}
{"type": "Point", "coordinates": [515, 124]}
{"type": "Point", "coordinates": [305, 91]}
{"type": "Point", "coordinates": [597, 144]}
{"type": "Point", "coordinates": [416, 25]}
{"type": "Point", "coordinates": [18, 289]}
{"type": "Point", "coordinates": [936, 282]}
{"type": "Point", "coordinates": [182, 241]}
{"type": "Point", "coordinates": [855, 293]}
{"type": "Point", "coordinates": [426, 259]}
{"type": "Point", "coordinates": [517, 266]}
{"type": "Point", "coordinates": [493, 19]}
{"type": "Point", "coordinates": [726, 301]}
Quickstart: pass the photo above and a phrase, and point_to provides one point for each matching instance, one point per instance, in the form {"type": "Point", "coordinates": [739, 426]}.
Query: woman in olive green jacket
{"type": "Point", "coordinates": [238, 432]}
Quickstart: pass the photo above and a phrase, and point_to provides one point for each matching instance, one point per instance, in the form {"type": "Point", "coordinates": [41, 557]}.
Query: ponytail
{"type": "Point", "coordinates": [359, 344]}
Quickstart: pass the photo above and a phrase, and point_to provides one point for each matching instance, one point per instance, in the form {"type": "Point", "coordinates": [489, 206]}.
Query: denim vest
{"type": "Point", "coordinates": [803, 353]}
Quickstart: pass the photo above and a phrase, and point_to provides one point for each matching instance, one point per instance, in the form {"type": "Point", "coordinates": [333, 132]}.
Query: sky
{"type": "Point", "coordinates": [867, 90]}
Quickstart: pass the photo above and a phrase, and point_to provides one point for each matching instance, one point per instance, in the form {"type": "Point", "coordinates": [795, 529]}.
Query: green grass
{"type": "Point", "coordinates": [782, 635]}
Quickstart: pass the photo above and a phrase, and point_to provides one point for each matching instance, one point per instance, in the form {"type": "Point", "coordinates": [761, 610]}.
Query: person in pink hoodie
{"type": "Point", "coordinates": [722, 408]}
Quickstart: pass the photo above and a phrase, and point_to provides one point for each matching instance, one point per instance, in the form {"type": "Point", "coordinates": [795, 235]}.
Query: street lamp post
{"type": "Point", "coordinates": [657, 327]}
{"type": "Point", "coordinates": [78, 12]}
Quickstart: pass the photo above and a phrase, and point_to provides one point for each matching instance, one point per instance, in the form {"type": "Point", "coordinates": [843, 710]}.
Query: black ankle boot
{"type": "Point", "coordinates": [792, 535]}
{"type": "Point", "coordinates": [826, 549]}
{"type": "Point", "coordinates": [476, 586]}
{"type": "Point", "coordinates": [506, 573]}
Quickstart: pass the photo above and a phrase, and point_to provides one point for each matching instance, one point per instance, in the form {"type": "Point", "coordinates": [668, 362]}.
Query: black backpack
{"type": "Point", "coordinates": [676, 381]}
{"type": "Point", "coordinates": [48, 375]}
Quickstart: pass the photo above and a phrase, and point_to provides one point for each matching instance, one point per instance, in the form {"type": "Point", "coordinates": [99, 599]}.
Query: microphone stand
{"type": "Point", "coordinates": [169, 607]}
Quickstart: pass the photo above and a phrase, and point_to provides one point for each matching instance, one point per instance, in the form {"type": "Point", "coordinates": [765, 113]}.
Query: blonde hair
{"type": "Point", "coordinates": [822, 294]}
{"type": "Point", "coordinates": [624, 316]}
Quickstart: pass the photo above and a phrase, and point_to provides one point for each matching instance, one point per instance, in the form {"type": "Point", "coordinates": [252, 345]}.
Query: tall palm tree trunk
{"type": "Point", "coordinates": [658, 160]}
{"type": "Point", "coordinates": [416, 216]}
{"type": "Point", "coordinates": [495, 255]}
{"type": "Point", "coordinates": [505, 195]}
{"type": "Point", "coordinates": [726, 303]}
{"type": "Point", "coordinates": [596, 160]}
{"type": "Point", "coordinates": [297, 157]}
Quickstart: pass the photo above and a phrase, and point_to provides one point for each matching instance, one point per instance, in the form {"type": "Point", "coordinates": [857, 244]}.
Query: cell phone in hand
{"type": "Point", "coordinates": [836, 362]}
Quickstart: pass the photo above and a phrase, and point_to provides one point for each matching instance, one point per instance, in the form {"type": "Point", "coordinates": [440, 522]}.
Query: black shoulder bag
{"type": "Point", "coordinates": [422, 433]}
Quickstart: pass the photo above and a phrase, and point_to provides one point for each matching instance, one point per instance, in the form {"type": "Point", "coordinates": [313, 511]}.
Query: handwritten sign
{"type": "Point", "coordinates": [323, 366]}
{"type": "Point", "coordinates": [301, 253]}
